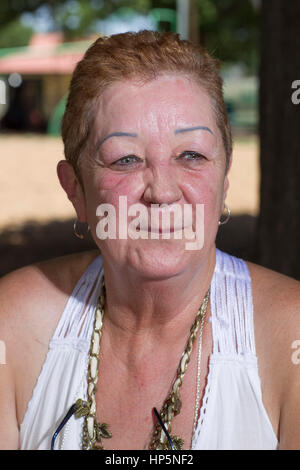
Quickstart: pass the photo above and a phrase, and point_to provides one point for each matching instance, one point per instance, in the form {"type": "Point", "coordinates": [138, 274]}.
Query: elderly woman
{"type": "Point", "coordinates": [154, 343]}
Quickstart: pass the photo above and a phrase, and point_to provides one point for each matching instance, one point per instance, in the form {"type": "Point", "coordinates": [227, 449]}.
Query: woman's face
{"type": "Point", "coordinates": [156, 143]}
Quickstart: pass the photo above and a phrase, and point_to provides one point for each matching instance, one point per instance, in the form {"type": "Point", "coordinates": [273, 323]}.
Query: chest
{"type": "Point", "coordinates": [126, 401]}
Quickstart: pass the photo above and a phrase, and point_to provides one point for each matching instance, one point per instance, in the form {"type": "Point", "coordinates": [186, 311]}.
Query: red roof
{"type": "Point", "coordinates": [46, 54]}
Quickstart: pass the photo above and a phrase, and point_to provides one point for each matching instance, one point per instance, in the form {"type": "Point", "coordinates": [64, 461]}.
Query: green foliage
{"type": "Point", "coordinates": [74, 18]}
{"type": "Point", "coordinates": [12, 9]}
{"type": "Point", "coordinates": [228, 28]}
{"type": "Point", "coordinates": [14, 34]}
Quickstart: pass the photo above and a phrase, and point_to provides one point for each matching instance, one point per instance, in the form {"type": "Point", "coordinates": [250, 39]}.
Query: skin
{"type": "Point", "coordinates": [146, 321]}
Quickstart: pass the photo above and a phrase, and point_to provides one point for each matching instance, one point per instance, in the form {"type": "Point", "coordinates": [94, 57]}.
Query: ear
{"type": "Point", "coordinates": [226, 181]}
{"type": "Point", "coordinates": [70, 183]}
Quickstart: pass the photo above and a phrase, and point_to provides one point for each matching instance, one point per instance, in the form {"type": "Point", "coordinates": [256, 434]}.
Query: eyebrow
{"type": "Point", "coordinates": [134, 134]}
{"type": "Point", "coordinates": [188, 129]}
{"type": "Point", "coordinates": [117, 134]}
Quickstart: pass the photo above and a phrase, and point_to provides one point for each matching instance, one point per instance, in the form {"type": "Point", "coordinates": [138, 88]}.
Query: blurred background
{"type": "Point", "coordinates": [40, 44]}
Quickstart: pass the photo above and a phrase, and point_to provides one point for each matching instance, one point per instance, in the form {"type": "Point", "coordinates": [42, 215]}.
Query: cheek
{"type": "Point", "coordinates": [108, 186]}
{"type": "Point", "coordinates": [206, 189]}
{"type": "Point", "coordinates": [208, 192]}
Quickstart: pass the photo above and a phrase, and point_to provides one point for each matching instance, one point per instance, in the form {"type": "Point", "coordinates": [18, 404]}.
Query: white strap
{"type": "Point", "coordinates": [78, 315]}
{"type": "Point", "coordinates": [232, 307]}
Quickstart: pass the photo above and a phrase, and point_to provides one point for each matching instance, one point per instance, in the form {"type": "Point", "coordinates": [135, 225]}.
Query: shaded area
{"type": "Point", "coordinates": [238, 237]}
{"type": "Point", "coordinates": [24, 112]}
{"type": "Point", "coordinates": [35, 242]}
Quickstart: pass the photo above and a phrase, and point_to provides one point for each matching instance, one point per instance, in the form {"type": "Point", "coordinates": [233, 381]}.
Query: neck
{"type": "Point", "coordinates": [150, 311]}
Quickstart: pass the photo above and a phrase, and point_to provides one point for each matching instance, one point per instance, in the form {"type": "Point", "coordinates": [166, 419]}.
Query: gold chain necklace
{"type": "Point", "coordinates": [94, 432]}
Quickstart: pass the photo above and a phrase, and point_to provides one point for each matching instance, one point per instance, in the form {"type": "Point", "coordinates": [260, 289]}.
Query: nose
{"type": "Point", "coordinates": [161, 185]}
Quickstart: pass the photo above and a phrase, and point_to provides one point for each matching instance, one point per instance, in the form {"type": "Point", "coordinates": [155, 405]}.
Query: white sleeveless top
{"type": "Point", "coordinates": [232, 414]}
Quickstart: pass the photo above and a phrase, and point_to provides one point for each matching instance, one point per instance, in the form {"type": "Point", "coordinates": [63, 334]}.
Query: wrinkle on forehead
{"type": "Point", "coordinates": [149, 117]}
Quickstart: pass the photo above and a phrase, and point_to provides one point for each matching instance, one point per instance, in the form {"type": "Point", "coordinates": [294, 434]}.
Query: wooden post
{"type": "Point", "coordinates": [278, 242]}
{"type": "Point", "coordinates": [187, 20]}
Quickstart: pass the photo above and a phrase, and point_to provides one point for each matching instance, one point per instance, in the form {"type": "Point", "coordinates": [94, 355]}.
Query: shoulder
{"type": "Point", "coordinates": [276, 297]}
{"type": "Point", "coordinates": [60, 273]}
{"type": "Point", "coordinates": [32, 292]}
{"type": "Point", "coordinates": [271, 279]}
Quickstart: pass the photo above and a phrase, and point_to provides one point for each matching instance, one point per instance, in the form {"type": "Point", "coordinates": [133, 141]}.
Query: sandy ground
{"type": "Point", "coordinates": [30, 190]}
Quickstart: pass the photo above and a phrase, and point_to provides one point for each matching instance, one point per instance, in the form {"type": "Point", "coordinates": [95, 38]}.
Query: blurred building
{"type": "Point", "coordinates": [37, 78]}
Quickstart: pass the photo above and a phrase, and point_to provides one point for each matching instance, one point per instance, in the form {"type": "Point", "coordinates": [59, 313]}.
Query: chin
{"type": "Point", "coordinates": [160, 259]}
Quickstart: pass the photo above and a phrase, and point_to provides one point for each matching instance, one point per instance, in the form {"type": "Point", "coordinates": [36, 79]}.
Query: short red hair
{"type": "Point", "coordinates": [143, 56]}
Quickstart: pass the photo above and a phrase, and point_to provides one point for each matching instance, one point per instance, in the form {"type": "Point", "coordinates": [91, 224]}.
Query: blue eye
{"type": "Point", "coordinates": [191, 156]}
{"type": "Point", "coordinates": [125, 161]}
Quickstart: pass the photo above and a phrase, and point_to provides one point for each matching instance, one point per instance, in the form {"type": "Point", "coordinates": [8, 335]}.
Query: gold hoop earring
{"type": "Point", "coordinates": [77, 233]}
{"type": "Point", "coordinates": [227, 216]}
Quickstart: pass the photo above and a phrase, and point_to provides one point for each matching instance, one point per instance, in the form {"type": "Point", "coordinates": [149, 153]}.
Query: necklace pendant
{"type": "Point", "coordinates": [82, 408]}
{"type": "Point", "coordinates": [178, 442]}
{"type": "Point", "coordinates": [96, 446]}
{"type": "Point", "coordinates": [102, 431]}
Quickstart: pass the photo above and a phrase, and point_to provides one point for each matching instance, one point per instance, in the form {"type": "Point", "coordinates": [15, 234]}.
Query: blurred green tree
{"type": "Point", "coordinates": [14, 34]}
{"type": "Point", "coordinates": [228, 28]}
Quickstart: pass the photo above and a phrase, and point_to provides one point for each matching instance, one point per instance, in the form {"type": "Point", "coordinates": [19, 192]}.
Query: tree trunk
{"type": "Point", "coordinates": [278, 234]}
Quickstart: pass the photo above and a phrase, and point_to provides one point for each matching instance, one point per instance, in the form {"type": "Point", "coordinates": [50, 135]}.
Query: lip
{"type": "Point", "coordinates": [169, 230]}
{"type": "Point", "coordinates": [160, 230]}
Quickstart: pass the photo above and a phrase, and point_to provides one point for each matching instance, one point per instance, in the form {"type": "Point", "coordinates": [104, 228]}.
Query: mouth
{"type": "Point", "coordinates": [161, 230]}
{"type": "Point", "coordinates": [166, 230]}
{"type": "Point", "coordinates": [164, 221]}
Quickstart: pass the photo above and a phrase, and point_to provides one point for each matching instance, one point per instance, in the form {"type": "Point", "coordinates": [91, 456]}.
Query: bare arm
{"type": "Point", "coordinates": [290, 418]}
{"type": "Point", "coordinates": [290, 409]}
{"type": "Point", "coordinates": [18, 304]}
{"type": "Point", "coordinates": [9, 432]}
{"type": "Point", "coordinates": [31, 302]}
